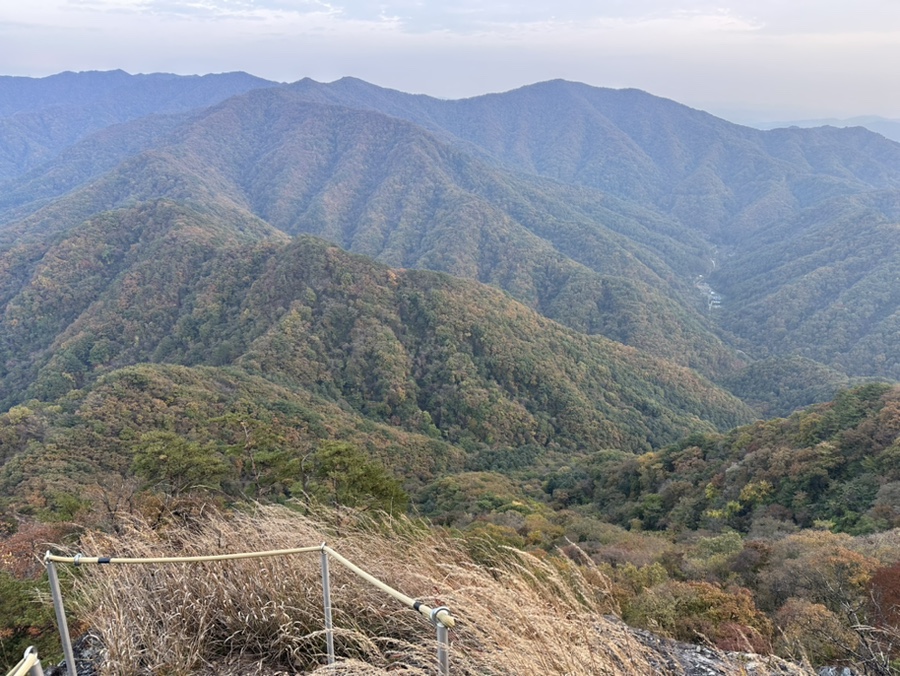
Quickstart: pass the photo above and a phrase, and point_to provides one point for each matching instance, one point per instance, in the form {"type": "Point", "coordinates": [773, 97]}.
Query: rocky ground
{"type": "Point", "coordinates": [686, 659]}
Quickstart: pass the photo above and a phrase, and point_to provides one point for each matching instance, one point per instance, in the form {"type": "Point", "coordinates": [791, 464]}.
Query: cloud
{"type": "Point", "coordinates": [208, 9]}
{"type": "Point", "coordinates": [462, 17]}
{"type": "Point", "coordinates": [824, 17]}
{"type": "Point", "coordinates": [476, 17]}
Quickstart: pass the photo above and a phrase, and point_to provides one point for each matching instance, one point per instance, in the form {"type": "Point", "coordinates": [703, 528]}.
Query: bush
{"type": "Point", "coordinates": [692, 611]}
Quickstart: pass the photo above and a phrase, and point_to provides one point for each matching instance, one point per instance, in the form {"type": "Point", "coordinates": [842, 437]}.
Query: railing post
{"type": "Point", "coordinates": [56, 593]}
{"type": "Point", "coordinates": [443, 645]}
{"type": "Point", "coordinates": [29, 665]}
{"type": "Point", "coordinates": [443, 641]}
{"type": "Point", "coordinates": [326, 599]}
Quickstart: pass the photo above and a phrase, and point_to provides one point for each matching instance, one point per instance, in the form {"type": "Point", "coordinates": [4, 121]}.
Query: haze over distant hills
{"type": "Point", "coordinates": [41, 117]}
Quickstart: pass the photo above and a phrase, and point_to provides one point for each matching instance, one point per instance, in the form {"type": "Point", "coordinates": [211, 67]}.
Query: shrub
{"type": "Point", "coordinates": [692, 611]}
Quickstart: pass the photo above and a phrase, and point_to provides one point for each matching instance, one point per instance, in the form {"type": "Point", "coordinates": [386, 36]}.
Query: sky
{"type": "Point", "coordinates": [745, 61]}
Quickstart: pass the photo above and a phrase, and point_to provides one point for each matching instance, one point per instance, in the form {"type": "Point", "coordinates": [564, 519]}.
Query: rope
{"type": "Point", "coordinates": [443, 615]}
{"type": "Point", "coordinates": [440, 614]}
{"type": "Point", "coordinates": [78, 559]}
{"type": "Point", "coordinates": [25, 665]}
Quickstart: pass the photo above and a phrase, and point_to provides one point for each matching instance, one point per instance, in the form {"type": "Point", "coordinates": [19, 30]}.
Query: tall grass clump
{"type": "Point", "coordinates": [516, 613]}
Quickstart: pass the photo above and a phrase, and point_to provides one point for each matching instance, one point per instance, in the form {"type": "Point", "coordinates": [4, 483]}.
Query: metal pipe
{"type": "Point", "coordinates": [36, 668]}
{"type": "Point", "coordinates": [78, 559]}
{"type": "Point", "coordinates": [326, 599]}
{"type": "Point", "coordinates": [29, 665]}
{"type": "Point", "coordinates": [443, 647]}
{"type": "Point", "coordinates": [56, 593]}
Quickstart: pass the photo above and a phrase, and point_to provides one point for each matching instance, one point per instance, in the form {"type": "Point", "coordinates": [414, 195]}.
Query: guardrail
{"type": "Point", "coordinates": [440, 617]}
{"type": "Point", "coordinates": [30, 665]}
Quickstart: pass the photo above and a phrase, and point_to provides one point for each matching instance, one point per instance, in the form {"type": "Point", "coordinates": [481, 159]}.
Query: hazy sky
{"type": "Point", "coordinates": [768, 59]}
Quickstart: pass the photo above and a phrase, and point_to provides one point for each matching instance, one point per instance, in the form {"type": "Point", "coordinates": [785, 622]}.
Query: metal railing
{"type": "Point", "coordinates": [440, 617]}
{"type": "Point", "coordinates": [30, 665]}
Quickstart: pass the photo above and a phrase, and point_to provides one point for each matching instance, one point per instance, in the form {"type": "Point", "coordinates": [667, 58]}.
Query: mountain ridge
{"type": "Point", "coordinates": [675, 171]}
{"type": "Point", "coordinates": [505, 189]}
{"type": "Point", "coordinates": [297, 189]}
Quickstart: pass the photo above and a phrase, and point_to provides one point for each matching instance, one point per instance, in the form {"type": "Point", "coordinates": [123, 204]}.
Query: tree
{"type": "Point", "coordinates": [820, 568]}
{"type": "Point", "coordinates": [344, 475]}
{"type": "Point", "coordinates": [811, 631]}
{"type": "Point", "coordinates": [689, 611]}
{"type": "Point", "coordinates": [176, 465]}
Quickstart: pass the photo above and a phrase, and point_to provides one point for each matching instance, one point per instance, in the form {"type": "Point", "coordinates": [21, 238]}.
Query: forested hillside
{"type": "Point", "coordinates": [823, 286]}
{"type": "Point", "coordinates": [802, 219]}
{"type": "Point", "coordinates": [386, 189]}
{"type": "Point", "coordinates": [419, 351]}
{"type": "Point", "coordinates": [833, 464]}
{"type": "Point", "coordinates": [619, 202]}
{"type": "Point", "coordinates": [720, 178]}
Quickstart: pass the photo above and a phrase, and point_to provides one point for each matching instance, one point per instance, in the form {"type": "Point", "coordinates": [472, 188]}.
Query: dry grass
{"type": "Point", "coordinates": [517, 613]}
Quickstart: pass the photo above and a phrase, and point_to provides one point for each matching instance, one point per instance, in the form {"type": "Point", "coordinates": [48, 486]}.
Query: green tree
{"type": "Point", "coordinates": [176, 465]}
{"type": "Point", "coordinates": [344, 475]}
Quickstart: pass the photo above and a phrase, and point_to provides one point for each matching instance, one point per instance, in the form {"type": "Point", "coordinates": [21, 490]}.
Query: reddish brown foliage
{"type": "Point", "coordinates": [22, 552]}
{"type": "Point", "coordinates": [884, 588]}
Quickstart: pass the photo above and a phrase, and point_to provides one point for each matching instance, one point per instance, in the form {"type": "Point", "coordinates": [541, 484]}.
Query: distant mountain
{"type": "Point", "coordinates": [81, 162]}
{"type": "Point", "coordinates": [135, 95]}
{"type": "Point", "coordinates": [598, 208]}
{"type": "Point", "coordinates": [888, 128]}
{"type": "Point", "coordinates": [41, 117]}
{"type": "Point", "coordinates": [823, 285]}
{"type": "Point", "coordinates": [822, 196]}
{"type": "Point", "coordinates": [720, 178]}
{"type": "Point", "coordinates": [385, 188]}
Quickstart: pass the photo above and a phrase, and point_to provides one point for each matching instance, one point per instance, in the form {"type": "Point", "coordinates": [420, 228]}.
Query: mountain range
{"type": "Point", "coordinates": [647, 265]}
